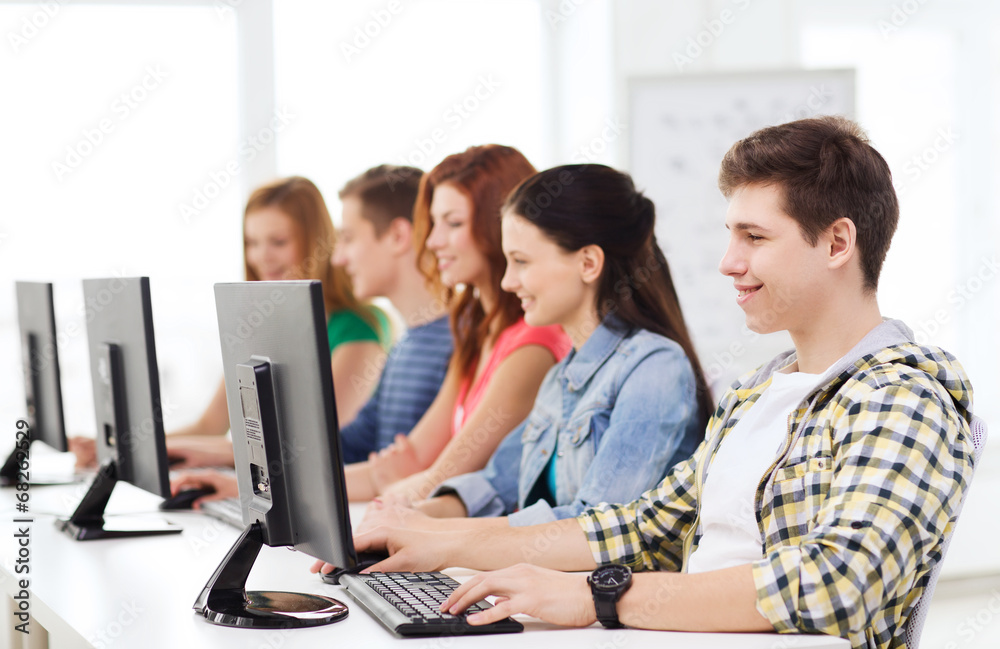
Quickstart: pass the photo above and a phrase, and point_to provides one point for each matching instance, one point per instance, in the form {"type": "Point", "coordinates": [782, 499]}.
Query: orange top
{"type": "Point", "coordinates": [513, 337]}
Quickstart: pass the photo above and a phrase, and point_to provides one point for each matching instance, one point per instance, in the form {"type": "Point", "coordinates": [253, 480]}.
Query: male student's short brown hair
{"type": "Point", "coordinates": [826, 169]}
{"type": "Point", "coordinates": [386, 192]}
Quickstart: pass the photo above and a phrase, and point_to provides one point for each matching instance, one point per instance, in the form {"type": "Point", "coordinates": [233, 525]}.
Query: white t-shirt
{"type": "Point", "coordinates": [730, 535]}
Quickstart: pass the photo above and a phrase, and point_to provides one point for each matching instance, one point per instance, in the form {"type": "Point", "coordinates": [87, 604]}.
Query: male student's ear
{"type": "Point", "coordinates": [401, 232]}
{"type": "Point", "coordinates": [841, 239]}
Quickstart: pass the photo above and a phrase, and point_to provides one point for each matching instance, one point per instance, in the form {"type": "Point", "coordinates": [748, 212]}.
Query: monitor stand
{"type": "Point", "coordinates": [11, 473]}
{"type": "Point", "coordinates": [225, 601]}
{"type": "Point", "coordinates": [88, 523]}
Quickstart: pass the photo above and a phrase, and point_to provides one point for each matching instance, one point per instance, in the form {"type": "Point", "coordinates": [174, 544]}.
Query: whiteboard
{"type": "Point", "coordinates": [680, 127]}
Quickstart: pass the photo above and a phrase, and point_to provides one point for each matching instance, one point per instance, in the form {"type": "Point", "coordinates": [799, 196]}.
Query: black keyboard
{"type": "Point", "coordinates": [227, 510]}
{"type": "Point", "coordinates": [409, 603]}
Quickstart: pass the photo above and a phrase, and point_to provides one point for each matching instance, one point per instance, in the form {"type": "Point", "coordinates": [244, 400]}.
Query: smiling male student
{"type": "Point", "coordinates": [829, 477]}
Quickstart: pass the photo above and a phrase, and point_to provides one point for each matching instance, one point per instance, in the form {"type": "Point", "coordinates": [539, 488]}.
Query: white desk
{"type": "Point", "coordinates": [138, 592]}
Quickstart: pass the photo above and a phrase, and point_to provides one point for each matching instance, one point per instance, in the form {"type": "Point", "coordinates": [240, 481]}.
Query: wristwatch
{"type": "Point", "coordinates": [608, 584]}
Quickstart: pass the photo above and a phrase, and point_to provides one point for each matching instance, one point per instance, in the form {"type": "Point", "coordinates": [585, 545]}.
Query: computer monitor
{"type": "Point", "coordinates": [40, 359]}
{"type": "Point", "coordinates": [126, 382]}
{"type": "Point", "coordinates": [279, 390]}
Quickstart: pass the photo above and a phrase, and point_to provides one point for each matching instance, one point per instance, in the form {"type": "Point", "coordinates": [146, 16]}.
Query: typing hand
{"type": "Point", "coordinates": [85, 450]}
{"type": "Point", "coordinates": [393, 463]}
{"type": "Point", "coordinates": [199, 451]}
{"type": "Point", "coordinates": [556, 597]}
{"type": "Point", "coordinates": [225, 485]}
{"type": "Point", "coordinates": [409, 550]}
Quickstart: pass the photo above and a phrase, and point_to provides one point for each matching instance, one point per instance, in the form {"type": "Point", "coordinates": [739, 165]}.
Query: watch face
{"type": "Point", "coordinates": [609, 577]}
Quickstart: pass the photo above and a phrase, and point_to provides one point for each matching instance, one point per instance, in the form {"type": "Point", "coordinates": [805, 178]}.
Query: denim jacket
{"type": "Point", "coordinates": [618, 413]}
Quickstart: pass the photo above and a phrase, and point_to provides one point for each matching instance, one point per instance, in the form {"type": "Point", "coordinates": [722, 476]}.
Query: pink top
{"type": "Point", "coordinates": [513, 337]}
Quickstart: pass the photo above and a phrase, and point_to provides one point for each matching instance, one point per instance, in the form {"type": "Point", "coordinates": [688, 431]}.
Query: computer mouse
{"type": "Point", "coordinates": [184, 498]}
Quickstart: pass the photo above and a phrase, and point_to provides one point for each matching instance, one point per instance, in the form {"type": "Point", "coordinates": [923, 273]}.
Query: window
{"type": "Point", "coordinates": [123, 114]}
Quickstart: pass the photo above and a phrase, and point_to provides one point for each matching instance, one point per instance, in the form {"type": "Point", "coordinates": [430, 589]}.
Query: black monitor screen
{"type": "Point", "coordinates": [275, 351]}
{"type": "Point", "coordinates": [42, 391]}
{"type": "Point", "coordinates": [126, 380]}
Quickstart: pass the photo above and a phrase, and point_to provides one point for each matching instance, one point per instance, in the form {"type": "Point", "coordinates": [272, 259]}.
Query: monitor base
{"type": "Point", "coordinates": [88, 522]}
{"type": "Point", "coordinates": [265, 609]}
{"type": "Point", "coordinates": [225, 601]}
{"type": "Point", "coordinates": [45, 482]}
{"type": "Point", "coordinates": [118, 529]}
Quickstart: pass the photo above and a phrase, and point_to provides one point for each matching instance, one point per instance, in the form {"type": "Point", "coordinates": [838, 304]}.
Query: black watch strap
{"type": "Point", "coordinates": [606, 607]}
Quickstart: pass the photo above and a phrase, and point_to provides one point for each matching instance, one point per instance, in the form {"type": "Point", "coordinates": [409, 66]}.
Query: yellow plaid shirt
{"type": "Point", "coordinates": [852, 513]}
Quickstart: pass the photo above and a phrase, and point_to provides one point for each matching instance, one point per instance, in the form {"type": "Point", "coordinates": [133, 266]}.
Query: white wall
{"type": "Point", "coordinates": [566, 65]}
{"type": "Point", "coordinates": [926, 92]}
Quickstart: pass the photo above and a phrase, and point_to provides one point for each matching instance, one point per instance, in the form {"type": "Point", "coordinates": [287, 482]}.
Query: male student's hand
{"type": "Point", "coordinates": [85, 449]}
{"type": "Point", "coordinates": [225, 485]}
{"type": "Point", "coordinates": [410, 550]}
{"type": "Point", "coordinates": [188, 452]}
{"type": "Point", "coordinates": [557, 597]}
